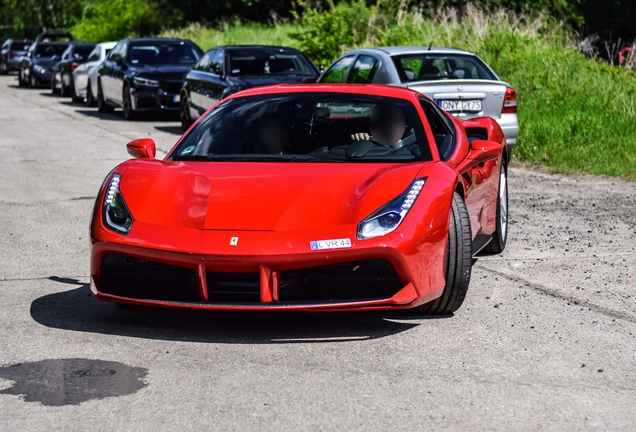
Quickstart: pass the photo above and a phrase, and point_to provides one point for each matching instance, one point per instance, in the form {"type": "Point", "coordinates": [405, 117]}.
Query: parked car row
{"type": "Point", "coordinates": [159, 74]}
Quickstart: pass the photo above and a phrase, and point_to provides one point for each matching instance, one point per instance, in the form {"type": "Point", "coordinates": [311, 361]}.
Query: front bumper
{"type": "Point", "coordinates": [377, 275]}
{"type": "Point", "coordinates": [153, 99]}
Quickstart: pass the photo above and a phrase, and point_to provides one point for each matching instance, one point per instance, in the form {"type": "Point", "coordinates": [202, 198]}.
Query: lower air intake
{"type": "Point", "coordinates": [359, 280]}
{"type": "Point", "coordinates": [137, 278]}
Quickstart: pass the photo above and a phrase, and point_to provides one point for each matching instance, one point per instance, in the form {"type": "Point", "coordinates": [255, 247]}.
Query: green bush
{"type": "Point", "coordinates": [118, 19]}
{"type": "Point", "coordinates": [575, 114]}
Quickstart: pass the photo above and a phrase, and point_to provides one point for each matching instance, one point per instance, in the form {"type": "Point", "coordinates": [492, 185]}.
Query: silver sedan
{"type": "Point", "coordinates": [85, 76]}
{"type": "Point", "coordinates": [458, 81]}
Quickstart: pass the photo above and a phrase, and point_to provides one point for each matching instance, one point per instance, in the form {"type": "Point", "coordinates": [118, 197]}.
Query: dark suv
{"type": "Point", "coordinates": [145, 75]}
{"type": "Point", "coordinates": [37, 65]}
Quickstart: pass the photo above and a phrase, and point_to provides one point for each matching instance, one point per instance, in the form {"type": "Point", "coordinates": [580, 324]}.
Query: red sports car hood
{"type": "Point", "coordinates": [260, 196]}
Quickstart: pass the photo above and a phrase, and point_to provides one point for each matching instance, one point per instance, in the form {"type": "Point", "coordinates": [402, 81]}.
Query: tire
{"type": "Point", "coordinates": [90, 99]}
{"type": "Point", "coordinates": [65, 89]}
{"type": "Point", "coordinates": [129, 112]}
{"type": "Point", "coordinates": [458, 264]}
{"type": "Point", "coordinates": [186, 118]}
{"type": "Point", "coordinates": [102, 106]}
{"type": "Point", "coordinates": [21, 82]}
{"type": "Point", "coordinates": [54, 90]}
{"type": "Point", "coordinates": [33, 81]}
{"type": "Point", "coordinates": [74, 97]}
{"type": "Point", "coordinates": [500, 236]}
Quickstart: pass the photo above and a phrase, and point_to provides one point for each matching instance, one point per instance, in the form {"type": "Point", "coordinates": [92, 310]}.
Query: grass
{"type": "Point", "coordinates": [576, 114]}
{"type": "Point", "coordinates": [236, 34]}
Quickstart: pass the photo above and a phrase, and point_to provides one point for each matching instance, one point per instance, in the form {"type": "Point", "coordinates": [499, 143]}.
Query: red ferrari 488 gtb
{"type": "Point", "coordinates": [305, 197]}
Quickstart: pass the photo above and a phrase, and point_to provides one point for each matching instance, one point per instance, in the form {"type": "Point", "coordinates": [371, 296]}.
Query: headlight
{"type": "Point", "coordinates": [115, 214]}
{"type": "Point", "coordinates": [39, 69]}
{"type": "Point", "coordinates": [145, 82]}
{"type": "Point", "coordinates": [388, 217]}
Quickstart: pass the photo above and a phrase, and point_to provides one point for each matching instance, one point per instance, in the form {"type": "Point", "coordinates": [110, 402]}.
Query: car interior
{"type": "Point", "coordinates": [316, 127]}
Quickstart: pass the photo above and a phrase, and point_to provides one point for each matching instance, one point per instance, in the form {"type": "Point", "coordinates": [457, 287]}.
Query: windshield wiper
{"type": "Point", "coordinates": [250, 158]}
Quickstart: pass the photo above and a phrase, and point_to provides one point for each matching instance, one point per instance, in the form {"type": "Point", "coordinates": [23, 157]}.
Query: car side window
{"type": "Point", "coordinates": [443, 133]}
{"type": "Point", "coordinates": [216, 67]}
{"type": "Point", "coordinates": [206, 61]}
{"type": "Point", "coordinates": [338, 71]}
{"type": "Point", "coordinates": [94, 55]}
{"type": "Point", "coordinates": [363, 70]}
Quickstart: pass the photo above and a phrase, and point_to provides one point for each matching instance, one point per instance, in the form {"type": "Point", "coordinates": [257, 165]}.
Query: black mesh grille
{"type": "Point", "coordinates": [172, 87]}
{"type": "Point", "coordinates": [233, 287]}
{"type": "Point", "coordinates": [142, 279]}
{"type": "Point", "coordinates": [368, 279]}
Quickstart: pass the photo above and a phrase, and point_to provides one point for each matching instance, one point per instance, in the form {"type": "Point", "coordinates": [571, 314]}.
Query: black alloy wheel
{"type": "Point", "coordinates": [54, 89]}
{"type": "Point", "coordinates": [66, 91]}
{"type": "Point", "coordinates": [129, 113]}
{"type": "Point", "coordinates": [90, 99]}
{"type": "Point", "coordinates": [186, 118]}
{"type": "Point", "coordinates": [21, 81]}
{"type": "Point", "coordinates": [33, 81]}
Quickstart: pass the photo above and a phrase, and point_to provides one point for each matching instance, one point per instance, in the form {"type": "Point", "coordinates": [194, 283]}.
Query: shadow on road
{"type": "Point", "coordinates": [78, 310]}
{"type": "Point", "coordinates": [176, 130]}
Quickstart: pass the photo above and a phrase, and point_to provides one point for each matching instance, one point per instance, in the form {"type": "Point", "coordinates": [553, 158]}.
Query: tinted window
{"type": "Point", "coordinates": [163, 53]}
{"type": "Point", "coordinates": [363, 70]}
{"type": "Point", "coordinates": [421, 67]}
{"type": "Point", "coordinates": [82, 51]}
{"type": "Point", "coordinates": [206, 61]}
{"type": "Point", "coordinates": [338, 71]}
{"type": "Point", "coordinates": [217, 62]}
{"type": "Point", "coordinates": [442, 130]}
{"type": "Point", "coordinates": [94, 55]}
{"type": "Point", "coordinates": [307, 126]}
{"type": "Point", "coordinates": [19, 46]}
{"type": "Point", "coordinates": [46, 50]}
{"type": "Point", "coordinates": [259, 62]}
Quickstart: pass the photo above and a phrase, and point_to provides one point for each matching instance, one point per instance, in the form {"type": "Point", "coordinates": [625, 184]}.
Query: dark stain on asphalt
{"type": "Point", "coordinates": [58, 382]}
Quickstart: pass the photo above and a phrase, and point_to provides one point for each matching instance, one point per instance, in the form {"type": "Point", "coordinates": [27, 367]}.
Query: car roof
{"type": "Point", "coordinates": [400, 50]}
{"type": "Point", "coordinates": [158, 40]}
{"type": "Point", "coordinates": [360, 89]}
{"type": "Point", "coordinates": [233, 47]}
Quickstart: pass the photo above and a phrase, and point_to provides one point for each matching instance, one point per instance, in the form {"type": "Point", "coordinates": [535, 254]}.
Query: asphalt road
{"type": "Point", "coordinates": [545, 339]}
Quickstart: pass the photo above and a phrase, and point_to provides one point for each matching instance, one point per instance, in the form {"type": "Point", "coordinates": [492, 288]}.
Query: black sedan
{"type": "Point", "coordinates": [37, 65]}
{"type": "Point", "coordinates": [145, 75]}
{"type": "Point", "coordinates": [11, 54]}
{"type": "Point", "coordinates": [227, 69]}
{"type": "Point", "coordinates": [62, 76]}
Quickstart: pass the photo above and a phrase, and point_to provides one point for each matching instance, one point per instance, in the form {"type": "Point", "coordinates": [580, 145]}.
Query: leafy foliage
{"type": "Point", "coordinates": [117, 19]}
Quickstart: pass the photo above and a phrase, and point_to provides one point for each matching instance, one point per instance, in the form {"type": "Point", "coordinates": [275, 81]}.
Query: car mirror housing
{"type": "Point", "coordinates": [483, 150]}
{"type": "Point", "coordinates": [142, 148]}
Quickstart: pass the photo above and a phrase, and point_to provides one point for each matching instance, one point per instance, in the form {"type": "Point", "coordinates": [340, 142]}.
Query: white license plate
{"type": "Point", "coordinates": [330, 244]}
{"type": "Point", "coordinates": [460, 105]}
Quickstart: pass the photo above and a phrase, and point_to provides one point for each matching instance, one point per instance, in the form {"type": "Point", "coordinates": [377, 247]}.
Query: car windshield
{"type": "Point", "coordinates": [424, 67]}
{"type": "Point", "coordinates": [312, 127]}
{"type": "Point", "coordinates": [164, 53]}
{"type": "Point", "coordinates": [259, 62]}
{"type": "Point", "coordinates": [50, 50]}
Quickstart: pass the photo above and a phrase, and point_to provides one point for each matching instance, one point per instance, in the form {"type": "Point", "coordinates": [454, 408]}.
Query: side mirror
{"type": "Point", "coordinates": [482, 150]}
{"type": "Point", "coordinates": [142, 148]}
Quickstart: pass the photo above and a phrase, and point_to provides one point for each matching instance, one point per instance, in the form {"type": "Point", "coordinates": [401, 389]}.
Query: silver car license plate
{"type": "Point", "coordinates": [460, 105]}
